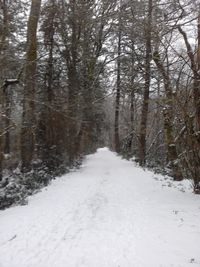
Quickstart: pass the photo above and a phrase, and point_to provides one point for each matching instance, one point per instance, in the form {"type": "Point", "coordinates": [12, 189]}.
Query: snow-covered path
{"type": "Point", "coordinates": [107, 214]}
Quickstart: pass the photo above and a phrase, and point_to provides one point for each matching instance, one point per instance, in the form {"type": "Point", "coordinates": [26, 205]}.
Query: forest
{"type": "Point", "coordinates": [76, 75]}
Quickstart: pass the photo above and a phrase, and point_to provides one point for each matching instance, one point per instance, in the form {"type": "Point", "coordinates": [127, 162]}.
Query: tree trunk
{"type": "Point", "coordinates": [195, 67]}
{"type": "Point", "coordinates": [3, 47]}
{"type": "Point", "coordinates": [197, 83]}
{"type": "Point", "coordinates": [132, 99]}
{"type": "Point", "coordinates": [118, 91]}
{"type": "Point", "coordinates": [147, 76]}
{"type": "Point", "coordinates": [72, 111]}
{"type": "Point", "coordinates": [73, 81]}
{"type": "Point", "coordinates": [7, 122]}
{"type": "Point", "coordinates": [46, 132]}
{"type": "Point", "coordinates": [28, 117]}
{"type": "Point", "coordinates": [172, 155]}
{"type": "Point", "coordinates": [1, 131]}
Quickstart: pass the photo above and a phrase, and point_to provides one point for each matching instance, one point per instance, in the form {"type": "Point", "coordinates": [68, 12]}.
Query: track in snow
{"type": "Point", "coordinates": [107, 214]}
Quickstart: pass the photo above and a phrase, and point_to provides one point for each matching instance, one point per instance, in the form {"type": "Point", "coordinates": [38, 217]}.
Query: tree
{"type": "Point", "coordinates": [147, 77]}
{"type": "Point", "coordinates": [8, 44]}
{"type": "Point", "coordinates": [118, 82]}
{"type": "Point", "coordinates": [28, 117]}
{"type": "Point", "coordinates": [172, 155]}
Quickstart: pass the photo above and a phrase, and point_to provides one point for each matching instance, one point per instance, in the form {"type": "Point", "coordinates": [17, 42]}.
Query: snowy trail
{"type": "Point", "coordinates": [107, 214]}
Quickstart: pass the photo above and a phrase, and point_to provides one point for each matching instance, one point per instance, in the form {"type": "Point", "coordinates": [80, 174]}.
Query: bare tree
{"type": "Point", "coordinates": [28, 118]}
{"type": "Point", "coordinates": [118, 83]}
{"type": "Point", "coordinates": [172, 155]}
{"type": "Point", "coordinates": [147, 77]}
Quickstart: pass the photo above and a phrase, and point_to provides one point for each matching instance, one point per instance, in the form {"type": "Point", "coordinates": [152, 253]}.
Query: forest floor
{"type": "Point", "coordinates": [109, 213]}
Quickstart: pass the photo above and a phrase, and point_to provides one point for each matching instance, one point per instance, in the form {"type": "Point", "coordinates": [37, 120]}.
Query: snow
{"type": "Point", "coordinates": [109, 213]}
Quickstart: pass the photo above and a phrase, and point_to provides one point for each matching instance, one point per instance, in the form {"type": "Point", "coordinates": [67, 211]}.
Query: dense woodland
{"type": "Point", "coordinates": [76, 75]}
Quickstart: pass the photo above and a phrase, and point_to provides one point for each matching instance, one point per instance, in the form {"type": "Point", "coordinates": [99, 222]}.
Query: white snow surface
{"type": "Point", "coordinates": [109, 213]}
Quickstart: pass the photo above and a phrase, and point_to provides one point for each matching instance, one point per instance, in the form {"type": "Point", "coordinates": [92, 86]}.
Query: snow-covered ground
{"type": "Point", "coordinates": [109, 213]}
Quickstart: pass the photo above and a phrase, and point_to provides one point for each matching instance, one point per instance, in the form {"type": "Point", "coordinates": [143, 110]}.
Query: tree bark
{"type": "Point", "coordinates": [1, 132]}
{"type": "Point", "coordinates": [3, 46]}
{"type": "Point", "coordinates": [147, 77]}
{"type": "Point", "coordinates": [73, 89]}
{"type": "Point", "coordinates": [28, 117]}
{"type": "Point", "coordinates": [118, 91]}
{"type": "Point", "coordinates": [197, 83]}
{"type": "Point", "coordinates": [132, 99]}
{"type": "Point", "coordinates": [172, 155]}
{"type": "Point", "coordinates": [46, 132]}
{"type": "Point", "coordinates": [195, 67]}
